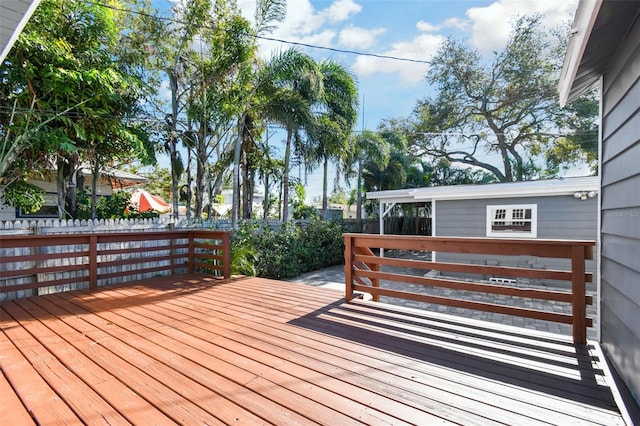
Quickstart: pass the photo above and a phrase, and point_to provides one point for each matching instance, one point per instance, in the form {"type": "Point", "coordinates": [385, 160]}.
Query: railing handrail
{"type": "Point", "coordinates": [361, 263]}
{"type": "Point", "coordinates": [476, 245]}
{"type": "Point", "coordinates": [85, 262]}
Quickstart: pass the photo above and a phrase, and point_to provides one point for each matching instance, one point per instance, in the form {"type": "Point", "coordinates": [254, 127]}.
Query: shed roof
{"type": "Point", "coordinates": [598, 28]}
{"type": "Point", "coordinates": [538, 188]}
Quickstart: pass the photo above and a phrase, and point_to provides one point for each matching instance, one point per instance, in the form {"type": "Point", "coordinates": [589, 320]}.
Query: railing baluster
{"type": "Point", "coordinates": [578, 289]}
{"type": "Point", "coordinates": [93, 261]}
{"type": "Point", "coordinates": [348, 267]}
{"type": "Point", "coordinates": [226, 249]}
{"type": "Point", "coordinates": [192, 253]}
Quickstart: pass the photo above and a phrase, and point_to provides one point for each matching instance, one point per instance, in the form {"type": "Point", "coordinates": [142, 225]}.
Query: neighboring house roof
{"type": "Point", "coordinates": [537, 188]}
{"type": "Point", "coordinates": [118, 178]}
{"type": "Point", "coordinates": [598, 28]}
{"type": "Point", "coordinates": [14, 15]}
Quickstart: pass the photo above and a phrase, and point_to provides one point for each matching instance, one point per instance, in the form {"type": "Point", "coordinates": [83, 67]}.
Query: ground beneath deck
{"type": "Point", "coordinates": [196, 350]}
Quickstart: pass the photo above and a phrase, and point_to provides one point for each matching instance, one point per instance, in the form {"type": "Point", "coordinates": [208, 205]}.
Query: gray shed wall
{"type": "Point", "coordinates": [559, 217]}
{"type": "Point", "coordinates": [620, 215]}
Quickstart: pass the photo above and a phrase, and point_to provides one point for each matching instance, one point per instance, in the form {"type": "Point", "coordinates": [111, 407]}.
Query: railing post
{"type": "Point", "coordinates": [172, 248]}
{"type": "Point", "coordinates": [375, 282]}
{"type": "Point", "coordinates": [226, 253]}
{"type": "Point", "coordinates": [192, 253]}
{"type": "Point", "coordinates": [348, 267]}
{"type": "Point", "coordinates": [93, 261]}
{"type": "Point", "coordinates": [578, 290]}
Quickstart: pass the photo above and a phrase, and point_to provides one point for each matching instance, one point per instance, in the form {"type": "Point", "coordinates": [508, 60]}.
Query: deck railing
{"type": "Point", "coordinates": [67, 262]}
{"type": "Point", "coordinates": [363, 273]}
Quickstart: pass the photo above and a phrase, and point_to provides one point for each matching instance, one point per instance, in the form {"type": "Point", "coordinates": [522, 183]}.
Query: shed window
{"type": "Point", "coordinates": [517, 221]}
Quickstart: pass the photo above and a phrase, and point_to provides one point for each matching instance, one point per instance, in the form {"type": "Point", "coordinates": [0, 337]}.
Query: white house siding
{"type": "Point", "coordinates": [559, 217]}
{"type": "Point", "coordinates": [620, 215]}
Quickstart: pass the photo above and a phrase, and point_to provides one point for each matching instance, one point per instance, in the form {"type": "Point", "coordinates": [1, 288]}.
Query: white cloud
{"type": "Point", "coordinates": [491, 25]}
{"type": "Point", "coordinates": [359, 38]}
{"type": "Point", "coordinates": [306, 24]}
{"type": "Point", "coordinates": [421, 48]}
{"type": "Point", "coordinates": [427, 27]}
{"type": "Point", "coordinates": [341, 10]}
{"type": "Point", "coordinates": [303, 19]}
{"type": "Point", "coordinates": [457, 23]}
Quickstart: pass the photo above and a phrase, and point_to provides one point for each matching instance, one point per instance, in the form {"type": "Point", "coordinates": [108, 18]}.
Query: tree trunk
{"type": "Point", "coordinates": [235, 206]}
{"type": "Point", "coordinates": [325, 199]}
{"type": "Point", "coordinates": [173, 151]}
{"type": "Point", "coordinates": [359, 193]}
{"type": "Point", "coordinates": [246, 187]}
{"type": "Point", "coordinates": [285, 177]}
{"type": "Point", "coordinates": [189, 194]}
{"type": "Point", "coordinates": [209, 186]}
{"type": "Point", "coordinates": [95, 172]}
{"type": "Point", "coordinates": [280, 200]}
{"type": "Point", "coordinates": [201, 161]}
{"type": "Point", "coordinates": [265, 202]}
{"type": "Point", "coordinates": [61, 188]}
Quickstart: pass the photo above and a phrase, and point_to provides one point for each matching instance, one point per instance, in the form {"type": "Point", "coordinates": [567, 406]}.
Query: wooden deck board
{"type": "Point", "coordinates": [527, 396]}
{"type": "Point", "coordinates": [352, 360]}
{"type": "Point", "coordinates": [193, 350]}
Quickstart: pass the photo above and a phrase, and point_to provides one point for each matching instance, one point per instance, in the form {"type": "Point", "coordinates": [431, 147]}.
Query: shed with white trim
{"type": "Point", "coordinates": [564, 208]}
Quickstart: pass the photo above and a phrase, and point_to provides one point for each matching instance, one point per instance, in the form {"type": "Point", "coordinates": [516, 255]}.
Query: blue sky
{"type": "Point", "coordinates": [410, 29]}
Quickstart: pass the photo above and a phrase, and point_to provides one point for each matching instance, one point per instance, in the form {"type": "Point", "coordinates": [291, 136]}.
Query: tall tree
{"type": "Point", "coordinates": [226, 53]}
{"type": "Point", "coordinates": [506, 106]}
{"type": "Point", "coordinates": [283, 91]}
{"type": "Point", "coordinates": [66, 67]}
{"type": "Point", "coordinates": [336, 116]}
{"type": "Point", "coordinates": [378, 176]}
{"type": "Point", "coordinates": [369, 147]}
{"type": "Point", "coordinates": [250, 85]}
{"type": "Point", "coordinates": [171, 45]}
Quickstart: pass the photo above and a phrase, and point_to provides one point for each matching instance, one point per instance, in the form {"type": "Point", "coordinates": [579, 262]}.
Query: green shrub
{"type": "Point", "coordinates": [115, 206]}
{"type": "Point", "coordinates": [23, 195]}
{"type": "Point", "coordinates": [288, 252]}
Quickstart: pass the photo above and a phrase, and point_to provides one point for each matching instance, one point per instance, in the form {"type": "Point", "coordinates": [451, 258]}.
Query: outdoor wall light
{"type": "Point", "coordinates": [583, 195]}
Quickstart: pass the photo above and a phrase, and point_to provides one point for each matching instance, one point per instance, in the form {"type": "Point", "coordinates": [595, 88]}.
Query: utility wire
{"type": "Point", "coordinates": [293, 43]}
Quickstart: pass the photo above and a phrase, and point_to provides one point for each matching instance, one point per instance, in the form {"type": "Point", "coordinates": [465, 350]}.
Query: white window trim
{"type": "Point", "coordinates": [513, 234]}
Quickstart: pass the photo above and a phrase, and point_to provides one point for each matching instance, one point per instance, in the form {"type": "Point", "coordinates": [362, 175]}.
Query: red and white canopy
{"type": "Point", "coordinates": [145, 201]}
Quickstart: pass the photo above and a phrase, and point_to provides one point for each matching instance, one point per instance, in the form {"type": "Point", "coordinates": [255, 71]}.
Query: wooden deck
{"type": "Point", "coordinates": [195, 350]}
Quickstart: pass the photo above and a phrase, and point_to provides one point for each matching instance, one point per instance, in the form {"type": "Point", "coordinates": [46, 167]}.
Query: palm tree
{"type": "Point", "coordinates": [269, 168]}
{"type": "Point", "coordinates": [394, 174]}
{"type": "Point", "coordinates": [291, 85]}
{"type": "Point", "coordinates": [253, 78]}
{"type": "Point", "coordinates": [335, 120]}
{"type": "Point", "coordinates": [372, 148]}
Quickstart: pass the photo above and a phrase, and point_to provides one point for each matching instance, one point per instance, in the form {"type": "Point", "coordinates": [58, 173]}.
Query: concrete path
{"type": "Point", "coordinates": [333, 277]}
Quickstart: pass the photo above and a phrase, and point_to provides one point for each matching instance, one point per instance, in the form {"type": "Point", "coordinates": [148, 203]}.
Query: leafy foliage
{"type": "Point", "coordinates": [65, 78]}
{"type": "Point", "coordinates": [23, 195]}
{"type": "Point", "coordinates": [508, 107]}
{"type": "Point", "coordinates": [300, 209]}
{"type": "Point", "coordinates": [287, 252]}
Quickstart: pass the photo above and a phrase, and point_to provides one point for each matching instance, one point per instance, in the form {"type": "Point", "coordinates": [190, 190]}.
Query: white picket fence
{"type": "Point", "coordinates": [57, 226]}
